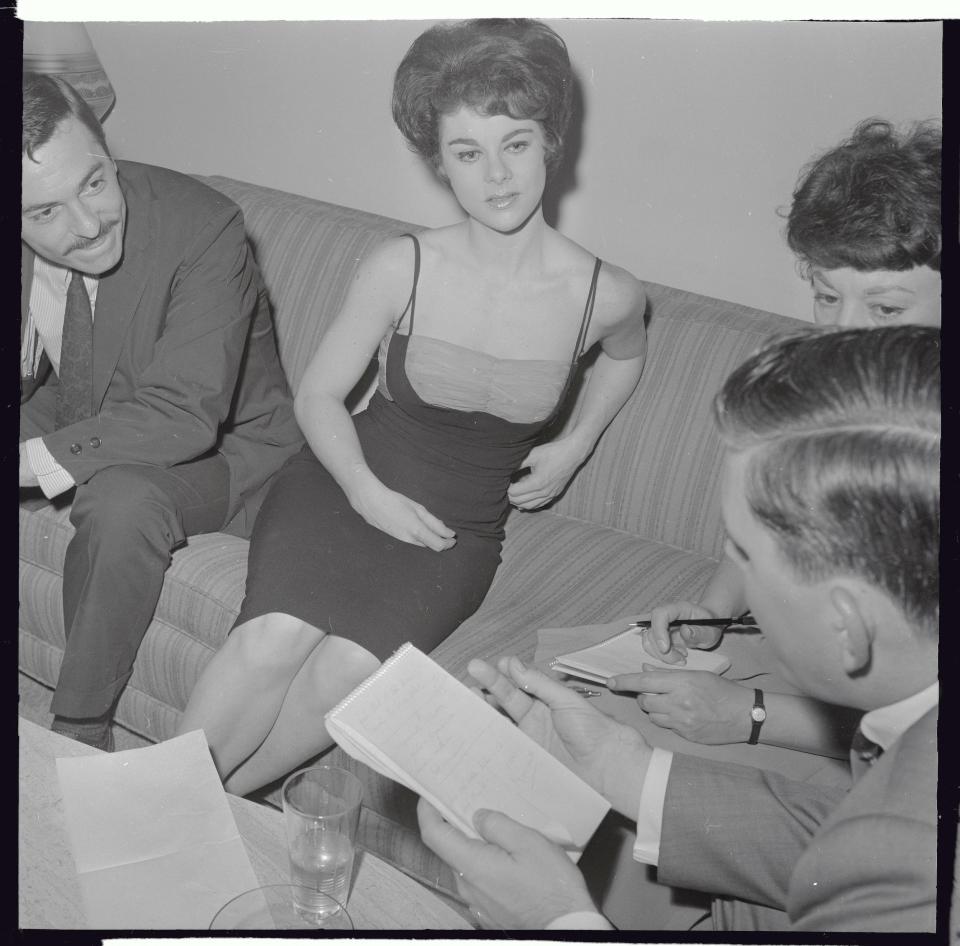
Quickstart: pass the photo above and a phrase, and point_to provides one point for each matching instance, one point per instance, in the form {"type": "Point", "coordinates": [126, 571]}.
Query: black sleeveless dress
{"type": "Point", "coordinates": [312, 556]}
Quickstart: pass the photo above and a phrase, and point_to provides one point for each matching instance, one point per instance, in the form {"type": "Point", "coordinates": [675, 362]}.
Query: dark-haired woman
{"type": "Point", "coordinates": [389, 527]}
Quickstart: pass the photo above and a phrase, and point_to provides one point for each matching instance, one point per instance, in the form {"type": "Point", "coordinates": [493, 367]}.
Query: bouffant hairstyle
{"type": "Point", "coordinates": [515, 67]}
{"type": "Point", "coordinates": [843, 427]}
{"type": "Point", "coordinates": [47, 101]}
{"type": "Point", "coordinates": [871, 203]}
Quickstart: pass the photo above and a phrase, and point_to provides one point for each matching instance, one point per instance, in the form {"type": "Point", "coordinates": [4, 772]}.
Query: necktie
{"type": "Point", "coordinates": [863, 753]}
{"type": "Point", "coordinates": [75, 396]}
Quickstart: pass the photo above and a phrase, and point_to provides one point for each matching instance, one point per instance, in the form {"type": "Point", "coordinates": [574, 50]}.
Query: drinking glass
{"type": "Point", "coordinates": [321, 810]}
{"type": "Point", "coordinates": [275, 907]}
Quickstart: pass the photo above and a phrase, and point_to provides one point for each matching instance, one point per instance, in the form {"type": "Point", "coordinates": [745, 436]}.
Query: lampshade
{"type": "Point", "coordinates": [65, 50]}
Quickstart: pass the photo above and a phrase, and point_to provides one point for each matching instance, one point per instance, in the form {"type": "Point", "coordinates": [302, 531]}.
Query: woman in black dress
{"type": "Point", "coordinates": [387, 527]}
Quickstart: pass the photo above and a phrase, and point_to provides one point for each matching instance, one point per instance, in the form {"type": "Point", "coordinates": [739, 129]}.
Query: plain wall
{"type": "Point", "coordinates": [692, 137]}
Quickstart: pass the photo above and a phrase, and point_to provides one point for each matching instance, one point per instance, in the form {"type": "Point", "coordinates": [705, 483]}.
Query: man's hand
{"type": "Point", "coordinates": [670, 644]}
{"type": "Point", "coordinates": [27, 476]}
{"type": "Point", "coordinates": [610, 757]}
{"type": "Point", "coordinates": [551, 466]}
{"type": "Point", "coordinates": [514, 877]}
{"type": "Point", "coordinates": [698, 705]}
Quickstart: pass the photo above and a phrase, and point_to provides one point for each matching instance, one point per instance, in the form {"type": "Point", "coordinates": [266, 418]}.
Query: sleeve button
{"type": "Point", "coordinates": [94, 442]}
{"type": "Point", "coordinates": [75, 448]}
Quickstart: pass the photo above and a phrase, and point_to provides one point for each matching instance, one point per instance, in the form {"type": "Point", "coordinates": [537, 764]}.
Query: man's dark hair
{"type": "Point", "coordinates": [47, 101]}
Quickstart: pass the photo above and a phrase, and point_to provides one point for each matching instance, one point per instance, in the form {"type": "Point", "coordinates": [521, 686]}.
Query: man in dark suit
{"type": "Point", "coordinates": [151, 383]}
{"type": "Point", "coordinates": [831, 502]}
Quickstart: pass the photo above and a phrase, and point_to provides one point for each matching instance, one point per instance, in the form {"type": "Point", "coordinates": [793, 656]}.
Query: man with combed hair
{"type": "Point", "coordinates": [831, 502]}
{"type": "Point", "coordinates": [150, 382]}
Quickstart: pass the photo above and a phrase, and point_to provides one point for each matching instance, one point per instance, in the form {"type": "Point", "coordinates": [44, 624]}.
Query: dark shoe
{"type": "Point", "coordinates": [96, 732]}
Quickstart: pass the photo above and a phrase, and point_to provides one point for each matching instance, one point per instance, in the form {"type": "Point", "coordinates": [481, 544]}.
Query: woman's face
{"type": "Point", "coordinates": [854, 299]}
{"type": "Point", "coordinates": [495, 164]}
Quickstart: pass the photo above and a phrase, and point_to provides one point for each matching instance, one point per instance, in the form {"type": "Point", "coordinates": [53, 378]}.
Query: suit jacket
{"type": "Point", "coordinates": [832, 859]}
{"type": "Point", "coordinates": [184, 355]}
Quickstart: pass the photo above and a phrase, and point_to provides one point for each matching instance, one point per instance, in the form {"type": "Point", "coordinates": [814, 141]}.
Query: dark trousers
{"type": "Point", "coordinates": [128, 519]}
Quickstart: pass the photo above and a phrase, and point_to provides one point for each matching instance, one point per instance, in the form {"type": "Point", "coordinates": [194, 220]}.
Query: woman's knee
{"type": "Point", "coordinates": [339, 664]}
{"type": "Point", "coordinates": [272, 643]}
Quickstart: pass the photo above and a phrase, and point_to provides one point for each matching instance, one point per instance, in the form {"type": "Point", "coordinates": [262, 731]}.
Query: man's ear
{"type": "Point", "coordinates": [853, 627]}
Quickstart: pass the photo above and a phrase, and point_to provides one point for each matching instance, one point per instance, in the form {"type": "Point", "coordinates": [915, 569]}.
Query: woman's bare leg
{"type": "Point", "coordinates": [240, 693]}
{"type": "Point", "coordinates": [333, 669]}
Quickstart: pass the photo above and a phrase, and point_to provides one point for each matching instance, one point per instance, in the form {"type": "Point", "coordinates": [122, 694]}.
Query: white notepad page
{"type": "Point", "coordinates": [417, 724]}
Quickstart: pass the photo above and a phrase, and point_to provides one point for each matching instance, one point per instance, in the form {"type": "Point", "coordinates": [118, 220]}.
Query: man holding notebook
{"type": "Point", "coordinates": [831, 502]}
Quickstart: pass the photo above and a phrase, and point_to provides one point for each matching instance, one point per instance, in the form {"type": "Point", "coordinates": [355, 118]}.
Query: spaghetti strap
{"type": "Point", "coordinates": [587, 312]}
{"type": "Point", "coordinates": [412, 301]}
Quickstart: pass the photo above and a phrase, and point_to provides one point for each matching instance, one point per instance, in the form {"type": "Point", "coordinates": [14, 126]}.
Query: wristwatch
{"type": "Point", "coordinates": [758, 714]}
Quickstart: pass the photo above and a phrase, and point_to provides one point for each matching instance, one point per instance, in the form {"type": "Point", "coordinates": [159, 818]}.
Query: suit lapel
{"type": "Point", "coordinates": [120, 291]}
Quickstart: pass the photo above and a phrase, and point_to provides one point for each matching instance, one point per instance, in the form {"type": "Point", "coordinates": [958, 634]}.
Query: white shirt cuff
{"type": "Point", "coordinates": [52, 477]}
{"type": "Point", "coordinates": [582, 920]}
{"type": "Point", "coordinates": [646, 849]}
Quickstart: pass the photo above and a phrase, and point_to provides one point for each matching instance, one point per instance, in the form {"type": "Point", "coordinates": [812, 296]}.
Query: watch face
{"type": "Point", "coordinates": [758, 714]}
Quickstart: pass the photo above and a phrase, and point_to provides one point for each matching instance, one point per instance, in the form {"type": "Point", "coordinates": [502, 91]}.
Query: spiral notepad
{"type": "Point", "coordinates": [625, 653]}
{"type": "Point", "coordinates": [415, 723]}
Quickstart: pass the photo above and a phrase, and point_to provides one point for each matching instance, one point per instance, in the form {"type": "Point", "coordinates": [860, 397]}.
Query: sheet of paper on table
{"type": "Point", "coordinates": [153, 838]}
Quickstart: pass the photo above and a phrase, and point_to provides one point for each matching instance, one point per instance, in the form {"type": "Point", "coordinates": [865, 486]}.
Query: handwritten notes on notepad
{"type": "Point", "coordinates": [415, 723]}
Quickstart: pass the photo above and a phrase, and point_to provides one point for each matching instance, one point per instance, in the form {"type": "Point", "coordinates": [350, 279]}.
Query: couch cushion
{"type": "Point", "coordinates": [559, 572]}
{"type": "Point", "coordinates": [655, 470]}
{"type": "Point", "coordinates": [556, 571]}
{"type": "Point", "coordinates": [200, 599]}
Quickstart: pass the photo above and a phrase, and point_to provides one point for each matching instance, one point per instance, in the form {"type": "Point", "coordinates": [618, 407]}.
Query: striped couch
{"type": "Point", "coordinates": [639, 524]}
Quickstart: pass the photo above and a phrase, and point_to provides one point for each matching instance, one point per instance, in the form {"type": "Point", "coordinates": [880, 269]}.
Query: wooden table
{"type": "Point", "coordinates": [382, 897]}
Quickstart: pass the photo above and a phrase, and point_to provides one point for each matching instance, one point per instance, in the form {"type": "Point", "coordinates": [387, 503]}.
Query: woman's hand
{"type": "Point", "coordinates": [551, 466]}
{"type": "Point", "coordinates": [670, 644]}
{"type": "Point", "coordinates": [399, 516]}
{"type": "Point", "coordinates": [696, 704]}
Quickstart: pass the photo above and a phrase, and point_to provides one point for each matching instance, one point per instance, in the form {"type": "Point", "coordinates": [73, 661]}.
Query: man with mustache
{"type": "Point", "coordinates": [152, 392]}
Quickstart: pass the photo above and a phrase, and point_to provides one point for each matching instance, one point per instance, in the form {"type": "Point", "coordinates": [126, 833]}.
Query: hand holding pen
{"type": "Point", "coordinates": [675, 627]}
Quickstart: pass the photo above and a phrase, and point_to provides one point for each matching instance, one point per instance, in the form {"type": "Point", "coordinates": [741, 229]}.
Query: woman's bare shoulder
{"type": "Point", "coordinates": [386, 268]}
{"type": "Point", "coordinates": [395, 253]}
{"type": "Point", "coordinates": [620, 295]}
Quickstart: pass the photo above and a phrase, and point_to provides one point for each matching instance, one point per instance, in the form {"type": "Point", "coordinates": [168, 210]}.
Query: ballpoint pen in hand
{"type": "Point", "coordinates": [744, 620]}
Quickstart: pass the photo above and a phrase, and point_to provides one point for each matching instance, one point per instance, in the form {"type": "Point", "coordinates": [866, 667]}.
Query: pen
{"type": "Point", "coordinates": [744, 620]}
{"type": "Point", "coordinates": [585, 691]}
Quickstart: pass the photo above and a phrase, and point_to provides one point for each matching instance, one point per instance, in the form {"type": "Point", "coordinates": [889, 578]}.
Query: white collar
{"type": "Point", "coordinates": [59, 276]}
{"type": "Point", "coordinates": [886, 724]}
